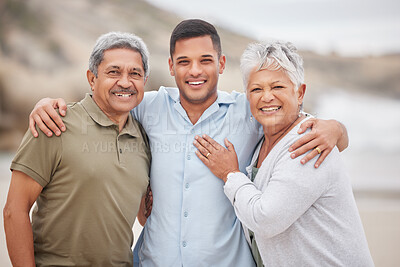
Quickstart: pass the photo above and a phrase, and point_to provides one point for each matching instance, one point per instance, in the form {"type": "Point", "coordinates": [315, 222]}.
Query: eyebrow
{"type": "Point", "coordinates": [113, 67]}
{"type": "Point", "coordinates": [117, 67]}
{"type": "Point", "coordinates": [276, 82]}
{"type": "Point", "coordinates": [203, 56]}
{"type": "Point", "coordinates": [258, 84]}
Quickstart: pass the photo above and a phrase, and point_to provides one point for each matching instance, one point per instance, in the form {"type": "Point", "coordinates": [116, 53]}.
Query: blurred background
{"type": "Point", "coordinates": [351, 51]}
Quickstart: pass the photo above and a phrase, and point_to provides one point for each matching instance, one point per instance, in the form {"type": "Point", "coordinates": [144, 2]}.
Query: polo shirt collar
{"type": "Point", "coordinates": [100, 118]}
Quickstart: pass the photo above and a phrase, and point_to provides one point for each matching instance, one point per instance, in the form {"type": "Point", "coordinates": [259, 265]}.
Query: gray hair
{"type": "Point", "coordinates": [273, 56]}
{"type": "Point", "coordinates": [113, 40]}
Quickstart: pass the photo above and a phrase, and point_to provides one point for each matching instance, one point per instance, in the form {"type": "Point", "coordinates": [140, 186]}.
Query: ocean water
{"type": "Point", "coordinates": [373, 125]}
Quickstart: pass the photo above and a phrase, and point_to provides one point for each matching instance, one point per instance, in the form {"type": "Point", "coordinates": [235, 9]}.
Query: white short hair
{"type": "Point", "coordinates": [273, 56]}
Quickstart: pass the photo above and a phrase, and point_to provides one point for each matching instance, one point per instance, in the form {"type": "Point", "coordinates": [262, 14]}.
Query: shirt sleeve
{"type": "Point", "coordinates": [38, 157]}
{"type": "Point", "coordinates": [292, 189]}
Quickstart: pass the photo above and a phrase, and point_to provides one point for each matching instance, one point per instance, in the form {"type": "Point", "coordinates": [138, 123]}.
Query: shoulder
{"type": "Point", "coordinates": [280, 159]}
{"type": "Point", "coordinates": [161, 94]}
{"type": "Point", "coordinates": [74, 109]}
{"type": "Point", "coordinates": [233, 97]}
{"type": "Point", "coordinates": [156, 99]}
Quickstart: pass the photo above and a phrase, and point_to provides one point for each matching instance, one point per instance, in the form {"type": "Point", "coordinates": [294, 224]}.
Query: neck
{"type": "Point", "coordinates": [119, 120]}
{"type": "Point", "coordinates": [195, 110]}
{"type": "Point", "coordinates": [272, 137]}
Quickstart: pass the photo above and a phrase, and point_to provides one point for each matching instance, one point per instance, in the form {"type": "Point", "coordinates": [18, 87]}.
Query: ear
{"type": "Point", "coordinates": [222, 62]}
{"type": "Point", "coordinates": [171, 66]}
{"type": "Point", "coordinates": [91, 79]}
{"type": "Point", "coordinates": [300, 93]}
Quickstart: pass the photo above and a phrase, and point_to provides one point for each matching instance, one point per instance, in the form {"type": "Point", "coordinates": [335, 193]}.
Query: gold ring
{"type": "Point", "coordinates": [318, 150]}
{"type": "Point", "coordinates": [208, 154]}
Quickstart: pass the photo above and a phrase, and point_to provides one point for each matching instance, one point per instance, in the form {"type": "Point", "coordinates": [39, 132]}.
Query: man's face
{"type": "Point", "coordinates": [196, 67]}
{"type": "Point", "coordinates": [120, 81]}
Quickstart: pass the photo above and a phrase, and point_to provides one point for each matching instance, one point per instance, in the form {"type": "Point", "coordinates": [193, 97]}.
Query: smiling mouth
{"type": "Point", "coordinates": [270, 109]}
{"type": "Point", "coordinates": [124, 94]}
{"type": "Point", "coordinates": [196, 82]}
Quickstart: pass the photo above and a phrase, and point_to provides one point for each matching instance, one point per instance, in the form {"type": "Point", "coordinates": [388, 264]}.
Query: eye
{"type": "Point", "coordinates": [135, 74]}
{"type": "Point", "coordinates": [113, 72]}
{"type": "Point", "coordinates": [256, 89]}
{"type": "Point", "coordinates": [207, 60]}
{"type": "Point", "coordinates": [277, 87]}
{"type": "Point", "coordinates": [183, 62]}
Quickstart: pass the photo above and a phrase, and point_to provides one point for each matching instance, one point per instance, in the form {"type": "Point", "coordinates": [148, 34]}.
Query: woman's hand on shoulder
{"type": "Point", "coordinates": [220, 160]}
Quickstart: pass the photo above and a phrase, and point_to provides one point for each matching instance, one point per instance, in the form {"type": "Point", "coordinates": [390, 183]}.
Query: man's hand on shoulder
{"type": "Point", "coordinates": [323, 137]}
{"type": "Point", "coordinates": [44, 114]}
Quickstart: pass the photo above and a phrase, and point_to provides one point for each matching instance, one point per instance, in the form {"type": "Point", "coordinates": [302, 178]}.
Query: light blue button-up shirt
{"type": "Point", "coordinates": [192, 222]}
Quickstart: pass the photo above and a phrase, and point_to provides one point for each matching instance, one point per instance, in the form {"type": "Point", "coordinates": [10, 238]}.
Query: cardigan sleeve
{"type": "Point", "coordinates": [291, 189]}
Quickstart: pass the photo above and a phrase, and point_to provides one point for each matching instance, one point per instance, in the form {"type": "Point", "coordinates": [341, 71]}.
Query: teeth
{"type": "Point", "coordinates": [270, 109]}
{"type": "Point", "coordinates": [123, 95]}
{"type": "Point", "coordinates": [196, 83]}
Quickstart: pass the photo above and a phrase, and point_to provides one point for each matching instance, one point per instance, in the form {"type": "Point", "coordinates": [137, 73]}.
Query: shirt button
{"type": "Point", "coordinates": [188, 157]}
{"type": "Point", "coordinates": [184, 244]}
{"type": "Point", "coordinates": [187, 185]}
{"type": "Point", "coordinates": [120, 150]}
{"type": "Point", "coordinates": [185, 214]}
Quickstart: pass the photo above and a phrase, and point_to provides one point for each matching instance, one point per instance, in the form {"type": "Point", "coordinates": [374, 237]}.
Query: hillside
{"type": "Point", "coordinates": [45, 45]}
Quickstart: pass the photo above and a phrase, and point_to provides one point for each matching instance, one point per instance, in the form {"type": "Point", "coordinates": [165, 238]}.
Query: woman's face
{"type": "Point", "coordinates": [274, 102]}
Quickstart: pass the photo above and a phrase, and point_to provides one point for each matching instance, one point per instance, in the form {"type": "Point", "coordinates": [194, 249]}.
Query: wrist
{"type": "Point", "coordinates": [230, 175]}
{"type": "Point", "coordinates": [340, 128]}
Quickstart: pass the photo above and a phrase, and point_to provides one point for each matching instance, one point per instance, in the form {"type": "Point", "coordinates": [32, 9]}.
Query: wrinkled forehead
{"type": "Point", "coordinates": [122, 57]}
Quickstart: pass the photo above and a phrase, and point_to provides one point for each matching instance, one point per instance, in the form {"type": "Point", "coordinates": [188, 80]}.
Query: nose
{"type": "Point", "coordinates": [267, 96]}
{"type": "Point", "coordinates": [195, 69]}
{"type": "Point", "coordinates": [124, 81]}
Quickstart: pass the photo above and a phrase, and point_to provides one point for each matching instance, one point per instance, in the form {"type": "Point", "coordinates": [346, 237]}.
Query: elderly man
{"type": "Point", "coordinates": [88, 183]}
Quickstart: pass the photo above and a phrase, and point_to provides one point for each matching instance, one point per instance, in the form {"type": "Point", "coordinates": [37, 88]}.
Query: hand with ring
{"type": "Point", "coordinates": [218, 159]}
{"type": "Point", "coordinates": [319, 142]}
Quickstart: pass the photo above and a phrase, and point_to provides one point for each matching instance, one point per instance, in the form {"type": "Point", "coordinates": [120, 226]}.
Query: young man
{"type": "Point", "coordinates": [89, 182]}
{"type": "Point", "coordinates": [192, 222]}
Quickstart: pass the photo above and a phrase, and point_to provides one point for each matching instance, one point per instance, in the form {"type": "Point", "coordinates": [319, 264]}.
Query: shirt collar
{"type": "Point", "coordinates": [223, 97]}
{"type": "Point", "coordinates": [100, 118]}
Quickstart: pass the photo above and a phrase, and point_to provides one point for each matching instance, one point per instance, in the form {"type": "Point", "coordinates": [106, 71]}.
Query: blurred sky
{"type": "Point", "coordinates": [347, 27]}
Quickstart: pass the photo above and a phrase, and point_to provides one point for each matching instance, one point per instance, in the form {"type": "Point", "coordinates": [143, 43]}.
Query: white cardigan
{"type": "Point", "coordinates": [300, 216]}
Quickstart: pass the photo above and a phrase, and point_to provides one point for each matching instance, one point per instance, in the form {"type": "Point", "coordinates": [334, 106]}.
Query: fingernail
{"type": "Point", "coordinates": [49, 133]}
{"type": "Point", "coordinates": [316, 165]}
{"type": "Point", "coordinates": [290, 149]}
{"type": "Point", "coordinates": [58, 133]}
{"type": "Point", "coordinates": [63, 128]}
{"type": "Point", "coordinates": [35, 135]}
{"type": "Point", "coordinates": [303, 161]}
{"type": "Point", "coordinates": [196, 137]}
{"type": "Point", "coordinates": [293, 156]}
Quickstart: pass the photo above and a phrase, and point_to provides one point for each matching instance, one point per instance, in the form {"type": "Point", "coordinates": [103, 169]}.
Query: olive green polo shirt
{"type": "Point", "coordinates": [93, 178]}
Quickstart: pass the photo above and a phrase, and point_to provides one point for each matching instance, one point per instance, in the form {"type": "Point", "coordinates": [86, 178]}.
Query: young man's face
{"type": "Point", "coordinates": [119, 86]}
{"type": "Point", "coordinates": [196, 67]}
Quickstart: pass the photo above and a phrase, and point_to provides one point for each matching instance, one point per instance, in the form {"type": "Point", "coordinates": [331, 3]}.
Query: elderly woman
{"type": "Point", "coordinates": [292, 214]}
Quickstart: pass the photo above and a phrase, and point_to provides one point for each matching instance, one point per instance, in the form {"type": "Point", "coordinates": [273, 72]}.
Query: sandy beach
{"type": "Point", "coordinates": [380, 214]}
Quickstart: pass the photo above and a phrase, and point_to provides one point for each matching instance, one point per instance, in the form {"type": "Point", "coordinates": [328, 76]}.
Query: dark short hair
{"type": "Point", "coordinates": [194, 28]}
